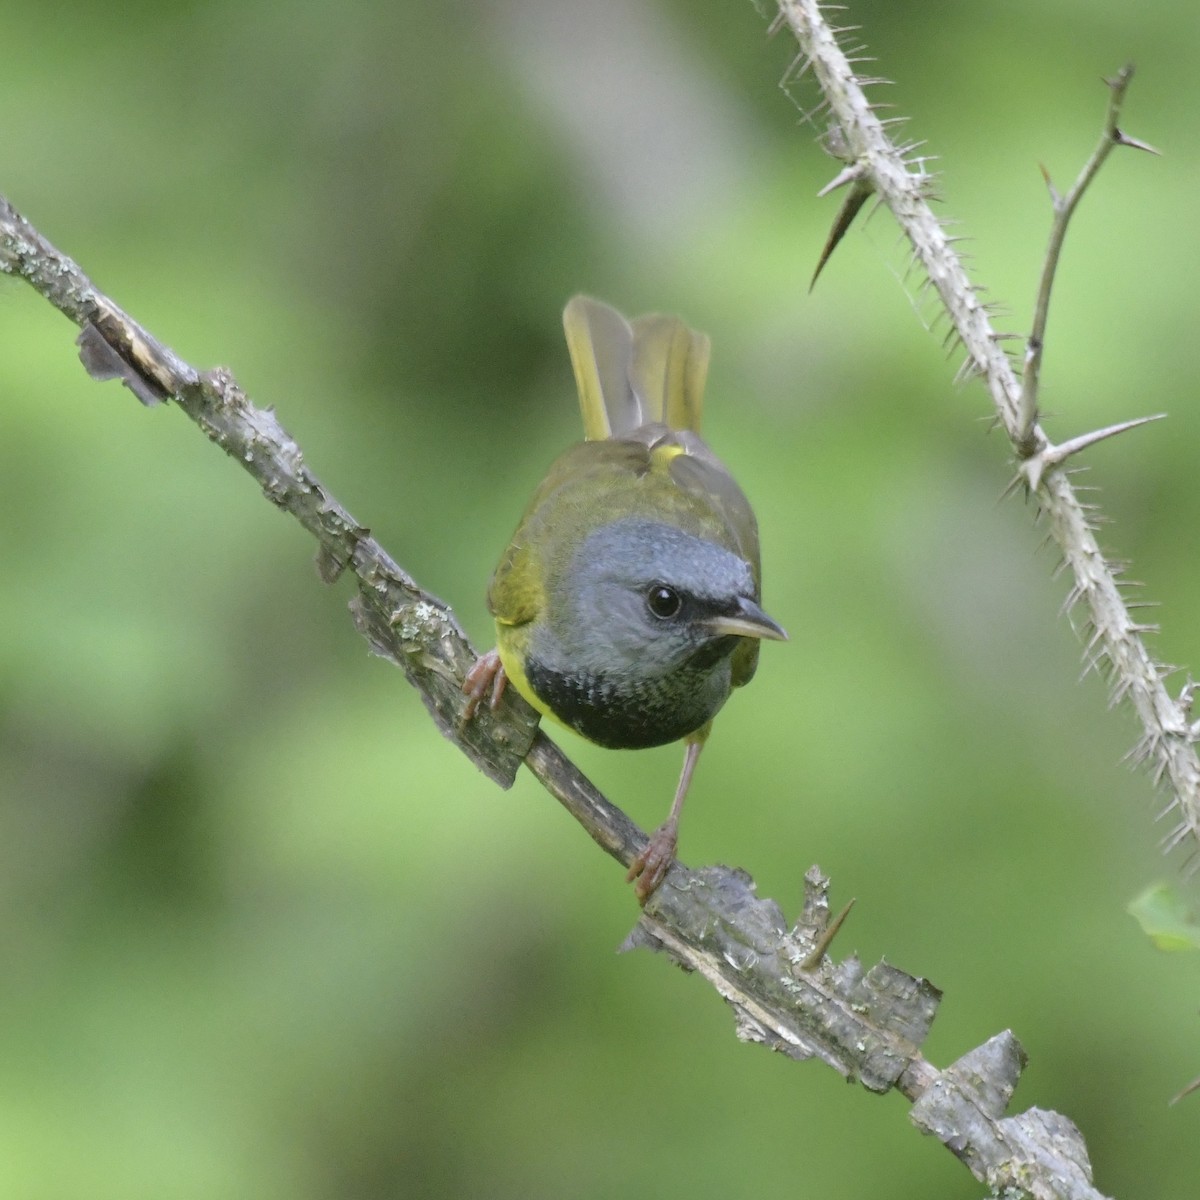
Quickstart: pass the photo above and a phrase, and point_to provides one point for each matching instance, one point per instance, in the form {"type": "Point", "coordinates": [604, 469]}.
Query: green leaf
{"type": "Point", "coordinates": [1169, 920]}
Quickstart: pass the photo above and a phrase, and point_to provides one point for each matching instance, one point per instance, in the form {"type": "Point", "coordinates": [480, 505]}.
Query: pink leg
{"type": "Point", "coordinates": [650, 867]}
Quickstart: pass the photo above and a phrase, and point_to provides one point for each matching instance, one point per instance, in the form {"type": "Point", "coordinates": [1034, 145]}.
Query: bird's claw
{"type": "Point", "coordinates": [650, 867]}
{"type": "Point", "coordinates": [486, 676]}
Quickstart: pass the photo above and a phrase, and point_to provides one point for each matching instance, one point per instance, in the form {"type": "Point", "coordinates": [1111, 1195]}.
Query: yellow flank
{"type": "Point", "coordinates": [512, 643]}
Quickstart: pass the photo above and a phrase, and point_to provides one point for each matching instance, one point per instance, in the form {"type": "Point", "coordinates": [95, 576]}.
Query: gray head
{"type": "Point", "coordinates": [643, 597]}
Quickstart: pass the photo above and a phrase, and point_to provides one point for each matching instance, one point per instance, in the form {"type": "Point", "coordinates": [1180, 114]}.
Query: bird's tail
{"type": "Point", "coordinates": [633, 373]}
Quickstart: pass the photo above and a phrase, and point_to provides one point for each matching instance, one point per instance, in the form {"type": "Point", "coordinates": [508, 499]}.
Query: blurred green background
{"type": "Point", "coordinates": [263, 933]}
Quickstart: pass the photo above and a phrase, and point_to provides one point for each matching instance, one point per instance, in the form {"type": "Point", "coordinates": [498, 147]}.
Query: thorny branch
{"type": "Point", "coordinates": [868, 1024]}
{"type": "Point", "coordinates": [1064, 209]}
{"type": "Point", "coordinates": [1115, 642]}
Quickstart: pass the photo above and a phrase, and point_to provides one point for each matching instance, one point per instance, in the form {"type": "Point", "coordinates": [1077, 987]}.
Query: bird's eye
{"type": "Point", "coordinates": [663, 602]}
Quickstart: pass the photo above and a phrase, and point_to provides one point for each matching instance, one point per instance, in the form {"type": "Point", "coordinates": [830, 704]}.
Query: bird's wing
{"type": "Point", "coordinates": [568, 503]}
{"type": "Point", "coordinates": [709, 499]}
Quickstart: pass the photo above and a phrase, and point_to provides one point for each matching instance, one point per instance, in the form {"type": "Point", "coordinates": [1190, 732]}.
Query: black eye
{"type": "Point", "coordinates": [663, 602]}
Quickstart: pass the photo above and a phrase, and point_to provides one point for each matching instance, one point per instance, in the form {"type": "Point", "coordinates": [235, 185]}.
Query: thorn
{"type": "Point", "coordinates": [969, 369]}
{"type": "Point", "coordinates": [1175, 837]}
{"type": "Point", "coordinates": [809, 116]}
{"type": "Point", "coordinates": [1055, 198]}
{"type": "Point", "coordinates": [1172, 804]}
{"type": "Point", "coordinates": [1123, 139]}
{"type": "Point", "coordinates": [1184, 1091]}
{"type": "Point", "coordinates": [873, 210]}
{"type": "Point", "coordinates": [1036, 465]}
{"type": "Point", "coordinates": [1032, 470]}
{"type": "Point", "coordinates": [796, 69]}
{"type": "Point", "coordinates": [858, 195]}
{"type": "Point", "coordinates": [1073, 597]}
{"type": "Point", "coordinates": [848, 174]}
{"type": "Point", "coordinates": [1093, 664]}
{"type": "Point", "coordinates": [1138, 753]}
{"type": "Point", "coordinates": [818, 951]}
{"type": "Point", "coordinates": [1015, 482]}
{"type": "Point", "coordinates": [1120, 81]}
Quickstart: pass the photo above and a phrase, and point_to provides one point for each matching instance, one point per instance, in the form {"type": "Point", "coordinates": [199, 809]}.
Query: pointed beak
{"type": "Point", "coordinates": [747, 621]}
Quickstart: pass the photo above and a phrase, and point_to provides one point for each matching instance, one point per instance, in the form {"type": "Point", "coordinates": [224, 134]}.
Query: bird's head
{"type": "Point", "coordinates": [642, 598]}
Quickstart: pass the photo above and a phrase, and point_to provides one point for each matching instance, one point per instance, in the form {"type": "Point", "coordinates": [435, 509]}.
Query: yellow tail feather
{"type": "Point", "coordinates": [628, 375]}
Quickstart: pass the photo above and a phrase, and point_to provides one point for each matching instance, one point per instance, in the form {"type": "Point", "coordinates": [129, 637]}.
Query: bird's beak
{"type": "Point", "coordinates": [748, 621]}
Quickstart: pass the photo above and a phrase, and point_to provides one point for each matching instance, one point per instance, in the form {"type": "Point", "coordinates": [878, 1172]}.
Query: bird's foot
{"type": "Point", "coordinates": [486, 676]}
{"type": "Point", "coordinates": [650, 867]}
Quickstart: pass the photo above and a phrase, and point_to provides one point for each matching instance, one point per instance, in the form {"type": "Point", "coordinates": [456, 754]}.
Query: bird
{"type": "Point", "coordinates": [627, 604]}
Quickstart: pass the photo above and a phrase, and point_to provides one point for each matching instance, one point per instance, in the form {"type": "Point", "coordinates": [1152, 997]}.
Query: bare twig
{"type": "Point", "coordinates": [400, 619]}
{"type": "Point", "coordinates": [1026, 440]}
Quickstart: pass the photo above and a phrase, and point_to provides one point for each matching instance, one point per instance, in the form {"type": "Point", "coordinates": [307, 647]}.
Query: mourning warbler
{"type": "Point", "coordinates": [627, 602]}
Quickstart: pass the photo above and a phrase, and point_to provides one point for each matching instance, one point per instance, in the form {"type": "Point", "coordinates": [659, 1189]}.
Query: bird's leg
{"type": "Point", "coordinates": [487, 675]}
{"type": "Point", "coordinates": [650, 867]}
